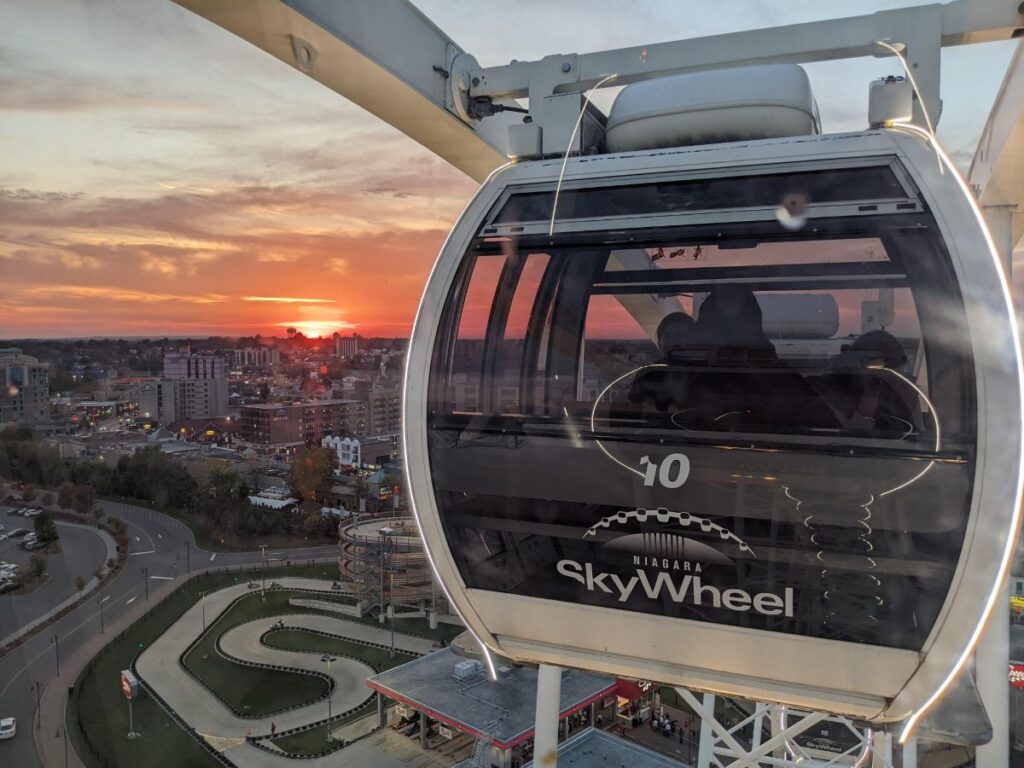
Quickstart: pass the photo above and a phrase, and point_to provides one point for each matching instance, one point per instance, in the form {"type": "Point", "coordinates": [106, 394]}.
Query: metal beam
{"type": "Point", "coordinates": [997, 170]}
{"type": "Point", "coordinates": [922, 29]}
{"type": "Point", "coordinates": [384, 55]}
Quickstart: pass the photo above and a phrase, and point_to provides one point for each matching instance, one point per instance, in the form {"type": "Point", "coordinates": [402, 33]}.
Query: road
{"type": "Point", "coordinates": [167, 550]}
{"type": "Point", "coordinates": [82, 552]}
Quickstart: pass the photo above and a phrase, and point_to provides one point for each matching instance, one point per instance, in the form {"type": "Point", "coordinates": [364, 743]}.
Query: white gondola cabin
{"type": "Point", "coordinates": [742, 417]}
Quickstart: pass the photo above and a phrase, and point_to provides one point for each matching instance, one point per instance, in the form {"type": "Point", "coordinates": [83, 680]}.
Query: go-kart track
{"type": "Point", "coordinates": [160, 666]}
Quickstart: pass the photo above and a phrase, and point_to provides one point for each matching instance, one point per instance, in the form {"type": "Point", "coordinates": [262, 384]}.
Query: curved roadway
{"type": "Point", "coordinates": [167, 549]}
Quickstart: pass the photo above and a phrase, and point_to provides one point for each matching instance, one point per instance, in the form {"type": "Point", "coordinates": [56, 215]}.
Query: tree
{"type": "Point", "coordinates": [79, 583]}
{"type": "Point", "coordinates": [311, 470]}
{"type": "Point", "coordinates": [85, 498]}
{"type": "Point", "coordinates": [66, 495]}
{"type": "Point", "coordinates": [28, 492]}
{"type": "Point", "coordinates": [49, 499]}
{"type": "Point", "coordinates": [36, 566]}
{"type": "Point", "coordinates": [46, 529]}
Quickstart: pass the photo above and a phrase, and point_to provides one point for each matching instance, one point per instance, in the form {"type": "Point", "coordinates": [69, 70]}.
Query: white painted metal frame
{"type": "Point", "coordinates": [842, 678]}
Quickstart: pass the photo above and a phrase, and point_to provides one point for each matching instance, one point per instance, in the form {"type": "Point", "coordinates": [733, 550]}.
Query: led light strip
{"type": "Point", "coordinates": [1007, 558]}
{"type": "Point", "coordinates": [600, 397]}
{"type": "Point", "coordinates": [484, 650]}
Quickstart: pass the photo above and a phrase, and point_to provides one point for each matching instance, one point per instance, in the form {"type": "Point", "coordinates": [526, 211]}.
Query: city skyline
{"type": "Point", "coordinates": [164, 178]}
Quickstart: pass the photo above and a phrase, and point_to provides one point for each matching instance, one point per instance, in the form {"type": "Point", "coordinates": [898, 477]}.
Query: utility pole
{"type": "Point", "coordinates": [56, 647]}
{"type": "Point", "coordinates": [263, 592]}
{"type": "Point", "coordinates": [202, 601]}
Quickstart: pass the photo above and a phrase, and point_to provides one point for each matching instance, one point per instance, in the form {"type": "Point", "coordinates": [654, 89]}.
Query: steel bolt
{"type": "Point", "coordinates": [566, 66]}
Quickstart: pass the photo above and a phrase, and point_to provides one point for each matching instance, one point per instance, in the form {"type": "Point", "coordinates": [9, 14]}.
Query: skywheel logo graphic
{"type": "Point", "coordinates": [668, 564]}
{"type": "Point", "coordinates": [665, 537]}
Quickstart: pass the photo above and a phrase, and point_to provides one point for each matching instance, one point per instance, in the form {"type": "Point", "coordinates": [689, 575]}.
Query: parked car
{"type": "Point", "coordinates": [7, 586]}
{"type": "Point", "coordinates": [34, 545]}
{"type": "Point", "coordinates": [18, 532]}
{"type": "Point", "coordinates": [8, 727]}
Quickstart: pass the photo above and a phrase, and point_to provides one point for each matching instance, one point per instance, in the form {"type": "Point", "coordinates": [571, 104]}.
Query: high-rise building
{"type": "Point", "coordinates": [194, 386]}
{"type": "Point", "coordinates": [346, 346]}
{"type": "Point", "coordinates": [182, 364]}
{"type": "Point", "coordinates": [384, 411]}
{"type": "Point", "coordinates": [255, 357]}
{"type": "Point", "coordinates": [24, 387]}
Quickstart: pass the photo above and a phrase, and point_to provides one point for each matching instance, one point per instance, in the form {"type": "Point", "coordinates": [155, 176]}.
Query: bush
{"type": "Point", "coordinates": [79, 583]}
{"type": "Point", "coordinates": [48, 499]}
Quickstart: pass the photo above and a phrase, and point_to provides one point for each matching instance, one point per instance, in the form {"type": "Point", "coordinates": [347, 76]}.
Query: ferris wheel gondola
{"type": "Point", "coordinates": [733, 409]}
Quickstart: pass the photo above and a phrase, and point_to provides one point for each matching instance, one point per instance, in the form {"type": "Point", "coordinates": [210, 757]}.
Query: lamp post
{"type": "Point", "coordinates": [145, 580]}
{"type": "Point", "coordinates": [263, 592]}
{"type": "Point", "coordinates": [391, 605]}
{"type": "Point", "coordinates": [99, 602]}
{"type": "Point", "coordinates": [202, 601]}
{"type": "Point", "coordinates": [330, 690]}
{"type": "Point", "coordinates": [39, 715]}
{"type": "Point", "coordinates": [56, 647]}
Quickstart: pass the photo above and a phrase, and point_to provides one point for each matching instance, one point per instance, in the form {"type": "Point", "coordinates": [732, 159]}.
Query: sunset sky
{"type": "Point", "coordinates": [160, 176]}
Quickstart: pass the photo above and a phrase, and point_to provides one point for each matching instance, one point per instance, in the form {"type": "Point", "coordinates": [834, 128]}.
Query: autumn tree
{"type": "Point", "coordinates": [311, 470]}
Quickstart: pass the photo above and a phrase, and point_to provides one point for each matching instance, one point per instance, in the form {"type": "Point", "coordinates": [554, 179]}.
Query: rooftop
{"type": "Point", "coordinates": [504, 711]}
{"type": "Point", "coordinates": [310, 403]}
{"type": "Point", "coordinates": [593, 747]}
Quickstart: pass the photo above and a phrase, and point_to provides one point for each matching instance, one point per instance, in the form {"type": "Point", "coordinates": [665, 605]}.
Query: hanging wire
{"type": "Point", "coordinates": [917, 92]}
{"type": "Point", "coordinates": [568, 149]}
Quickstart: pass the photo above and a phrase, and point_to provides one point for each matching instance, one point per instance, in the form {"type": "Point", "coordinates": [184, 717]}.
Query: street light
{"type": "Point", "coordinates": [330, 689]}
{"type": "Point", "coordinates": [99, 602]}
{"type": "Point", "coordinates": [145, 579]}
{"type": "Point", "coordinates": [202, 601]}
{"type": "Point", "coordinates": [56, 647]}
{"type": "Point", "coordinates": [263, 592]}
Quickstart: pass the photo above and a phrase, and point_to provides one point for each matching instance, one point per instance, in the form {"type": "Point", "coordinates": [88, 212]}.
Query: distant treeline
{"type": "Point", "coordinates": [219, 503]}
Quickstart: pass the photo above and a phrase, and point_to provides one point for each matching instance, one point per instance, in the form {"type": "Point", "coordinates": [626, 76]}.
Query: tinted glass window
{"type": "Point", "coordinates": [743, 424]}
{"type": "Point", "coordinates": [809, 187]}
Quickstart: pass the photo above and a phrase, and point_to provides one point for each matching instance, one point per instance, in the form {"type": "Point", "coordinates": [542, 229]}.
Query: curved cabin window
{"type": "Point", "coordinates": [764, 385]}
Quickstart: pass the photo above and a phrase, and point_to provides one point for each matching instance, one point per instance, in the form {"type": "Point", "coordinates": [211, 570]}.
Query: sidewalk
{"type": "Point", "coordinates": [54, 700]}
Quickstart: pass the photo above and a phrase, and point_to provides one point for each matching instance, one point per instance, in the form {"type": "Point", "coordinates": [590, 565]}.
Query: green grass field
{"type": "Point", "coordinates": [97, 713]}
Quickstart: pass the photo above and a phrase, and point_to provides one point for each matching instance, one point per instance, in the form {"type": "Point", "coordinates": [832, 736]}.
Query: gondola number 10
{"type": "Point", "coordinates": [670, 473]}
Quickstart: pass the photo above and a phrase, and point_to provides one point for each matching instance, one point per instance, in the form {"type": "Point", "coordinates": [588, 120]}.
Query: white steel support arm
{"type": "Point", "coordinates": [384, 55]}
{"type": "Point", "coordinates": [997, 170]}
{"type": "Point", "coordinates": [923, 30]}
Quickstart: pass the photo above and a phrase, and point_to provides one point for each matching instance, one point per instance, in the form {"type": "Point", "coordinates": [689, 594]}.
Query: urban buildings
{"type": "Point", "coordinates": [193, 386]}
{"type": "Point", "coordinates": [24, 387]}
{"type": "Point", "coordinates": [280, 427]}
{"type": "Point", "coordinates": [346, 449]}
{"type": "Point", "coordinates": [346, 346]}
{"type": "Point", "coordinates": [255, 357]}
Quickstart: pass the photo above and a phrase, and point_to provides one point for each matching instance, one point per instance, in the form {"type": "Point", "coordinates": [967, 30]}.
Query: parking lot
{"type": "Point", "coordinates": [82, 552]}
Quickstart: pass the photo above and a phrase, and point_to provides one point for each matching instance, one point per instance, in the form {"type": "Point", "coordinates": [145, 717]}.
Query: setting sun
{"type": "Point", "coordinates": [315, 328]}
